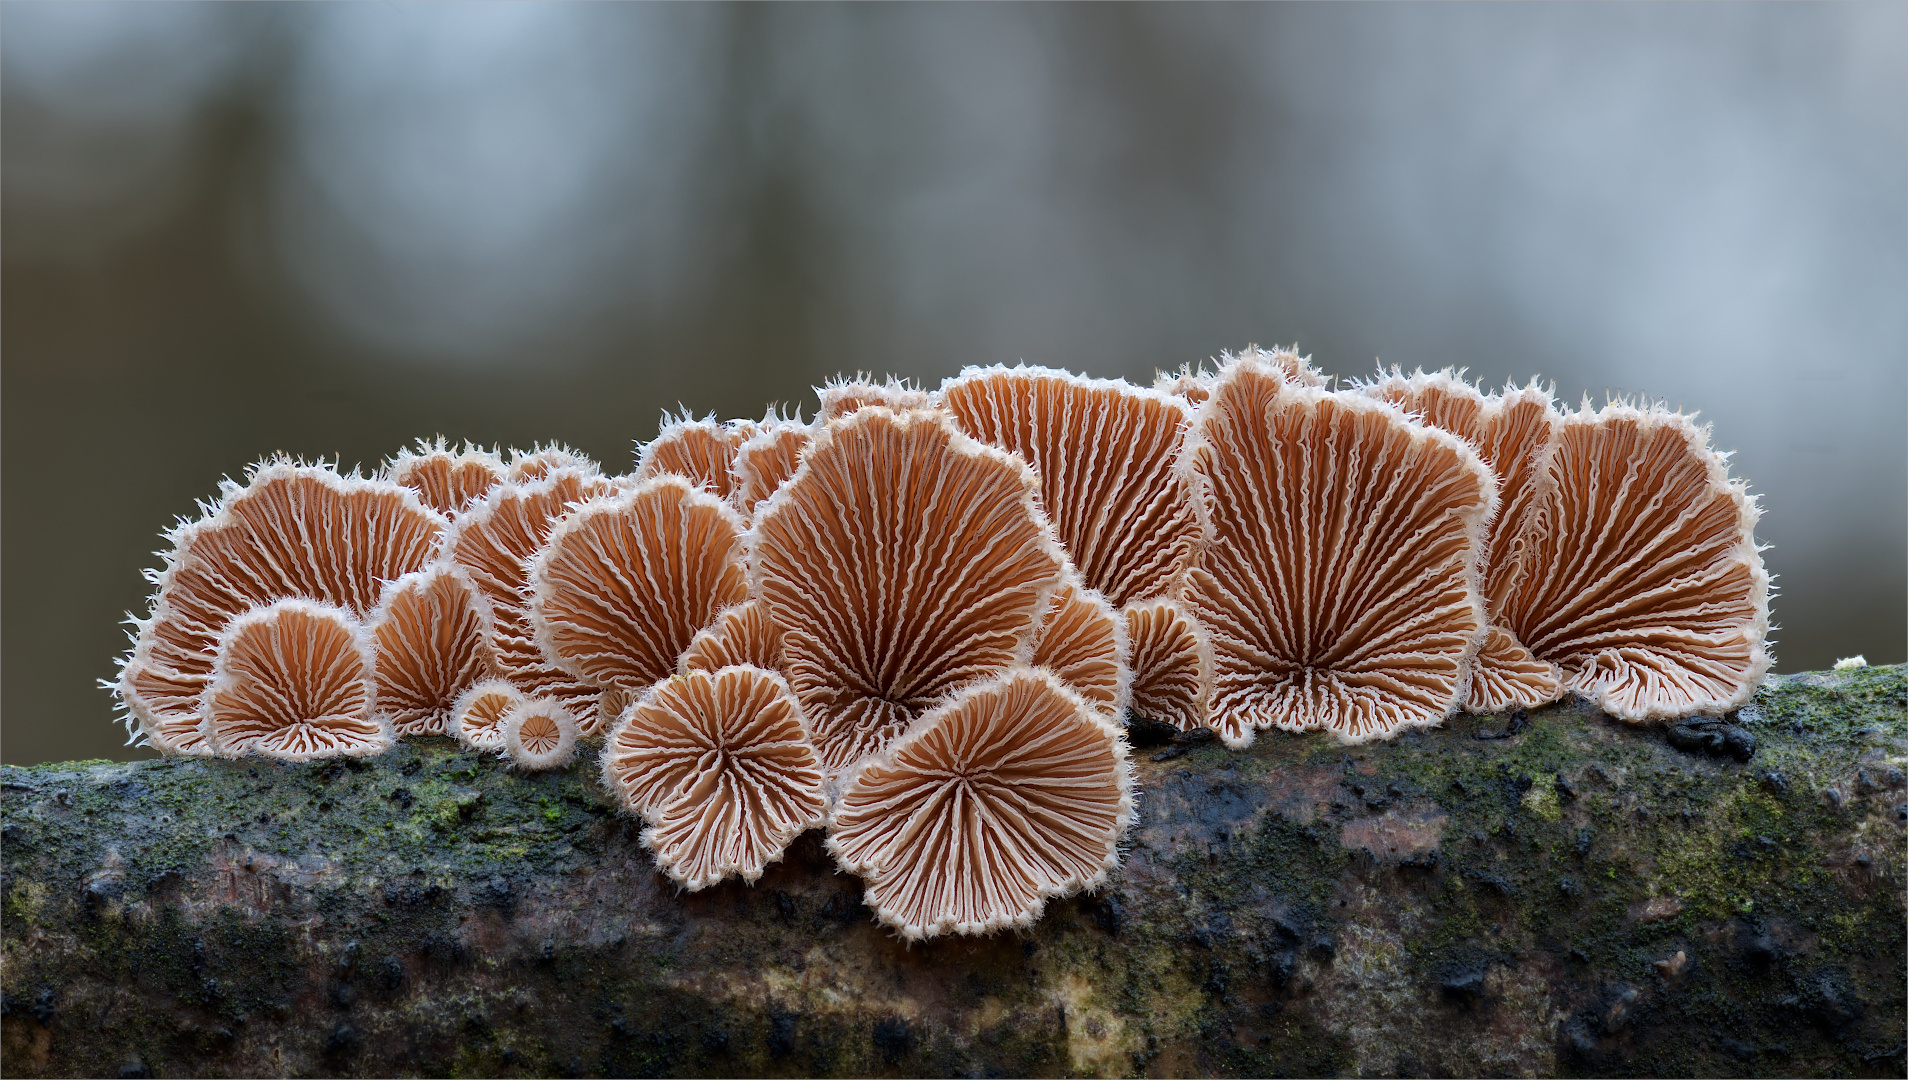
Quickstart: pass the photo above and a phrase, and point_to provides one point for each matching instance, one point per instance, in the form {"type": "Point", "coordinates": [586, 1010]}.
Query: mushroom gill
{"type": "Point", "coordinates": [1636, 570]}
{"type": "Point", "coordinates": [293, 680]}
{"type": "Point", "coordinates": [743, 634]}
{"type": "Point", "coordinates": [702, 450]}
{"type": "Point", "coordinates": [478, 714]}
{"type": "Point", "coordinates": [624, 583]}
{"type": "Point", "coordinates": [903, 561]}
{"type": "Point", "coordinates": [842, 397]}
{"type": "Point", "coordinates": [1012, 792]}
{"type": "Point", "coordinates": [721, 765]}
{"type": "Point", "coordinates": [432, 636]}
{"type": "Point", "coordinates": [1338, 588]}
{"type": "Point", "coordinates": [767, 459]}
{"type": "Point", "coordinates": [1083, 641]}
{"type": "Point", "coordinates": [447, 481]}
{"type": "Point", "coordinates": [539, 734]}
{"type": "Point", "coordinates": [542, 462]}
{"type": "Point", "coordinates": [1170, 658]}
{"type": "Point", "coordinates": [293, 530]}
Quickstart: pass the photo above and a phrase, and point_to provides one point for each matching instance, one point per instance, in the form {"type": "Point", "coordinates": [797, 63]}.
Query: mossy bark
{"type": "Point", "coordinates": [1573, 897]}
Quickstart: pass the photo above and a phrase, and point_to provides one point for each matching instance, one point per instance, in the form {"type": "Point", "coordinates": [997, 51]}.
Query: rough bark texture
{"type": "Point", "coordinates": [1574, 897]}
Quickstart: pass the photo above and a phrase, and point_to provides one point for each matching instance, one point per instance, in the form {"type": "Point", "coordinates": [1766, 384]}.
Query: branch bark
{"type": "Point", "coordinates": [1568, 896]}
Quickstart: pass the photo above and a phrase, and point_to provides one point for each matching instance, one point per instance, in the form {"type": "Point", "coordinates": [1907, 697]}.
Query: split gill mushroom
{"type": "Point", "coordinates": [293, 680]}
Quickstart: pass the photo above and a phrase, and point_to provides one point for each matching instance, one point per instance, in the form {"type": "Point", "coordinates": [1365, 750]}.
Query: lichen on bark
{"type": "Point", "coordinates": [1564, 896]}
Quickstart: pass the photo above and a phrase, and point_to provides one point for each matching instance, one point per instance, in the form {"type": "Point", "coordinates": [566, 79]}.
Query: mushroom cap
{"type": "Point", "coordinates": [702, 450]}
{"type": "Point", "coordinates": [721, 765]}
{"type": "Point", "coordinates": [1171, 661]}
{"type": "Point", "coordinates": [1082, 640]}
{"type": "Point", "coordinates": [743, 634]}
{"type": "Point", "coordinates": [624, 582]}
{"type": "Point", "coordinates": [432, 636]}
{"type": "Point", "coordinates": [293, 680]}
{"type": "Point", "coordinates": [1013, 791]}
{"type": "Point", "coordinates": [478, 714]}
{"type": "Point", "coordinates": [843, 396]}
{"type": "Point", "coordinates": [1339, 588]}
{"type": "Point", "coordinates": [1105, 453]}
{"type": "Point", "coordinates": [903, 561]}
{"type": "Point", "coordinates": [1636, 570]}
{"type": "Point", "coordinates": [767, 459]}
{"type": "Point", "coordinates": [542, 462]}
{"type": "Point", "coordinates": [539, 734]}
{"type": "Point", "coordinates": [493, 542]}
{"type": "Point", "coordinates": [446, 480]}
{"type": "Point", "coordinates": [293, 530]}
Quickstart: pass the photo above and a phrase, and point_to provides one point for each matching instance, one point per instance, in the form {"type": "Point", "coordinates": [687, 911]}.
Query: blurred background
{"type": "Point", "coordinates": [229, 230]}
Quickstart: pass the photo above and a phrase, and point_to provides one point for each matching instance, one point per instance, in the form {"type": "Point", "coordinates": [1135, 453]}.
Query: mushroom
{"type": "Point", "coordinates": [624, 583]}
{"type": "Point", "coordinates": [767, 459]}
{"type": "Point", "coordinates": [493, 542]}
{"type": "Point", "coordinates": [541, 462]}
{"type": "Point", "coordinates": [1013, 791]}
{"type": "Point", "coordinates": [1104, 451]}
{"type": "Point", "coordinates": [721, 765]}
{"type": "Point", "coordinates": [478, 714]}
{"type": "Point", "coordinates": [1339, 586]}
{"type": "Point", "coordinates": [1083, 641]}
{"type": "Point", "coordinates": [702, 450]}
{"type": "Point", "coordinates": [842, 396]}
{"type": "Point", "coordinates": [293, 680]}
{"type": "Point", "coordinates": [1636, 570]}
{"type": "Point", "coordinates": [1510, 431]}
{"type": "Point", "coordinates": [293, 530]}
{"type": "Point", "coordinates": [1194, 383]}
{"type": "Point", "coordinates": [539, 734]}
{"type": "Point", "coordinates": [1170, 657]}
{"type": "Point", "coordinates": [447, 481]}
{"type": "Point", "coordinates": [432, 636]}
{"type": "Point", "coordinates": [743, 634]}
{"type": "Point", "coordinates": [902, 561]}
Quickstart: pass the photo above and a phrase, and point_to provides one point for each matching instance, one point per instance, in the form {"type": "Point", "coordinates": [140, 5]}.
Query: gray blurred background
{"type": "Point", "coordinates": [325, 230]}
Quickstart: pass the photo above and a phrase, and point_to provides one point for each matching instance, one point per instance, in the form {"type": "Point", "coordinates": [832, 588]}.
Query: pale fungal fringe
{"type": "Point", "coordinates": [721, 765]}
{"type": "Point", "coordinates": [1170, 658]}
{"type": "Point", "coordinates": [1638, 573]}
{"type": "Point", "coordinates": [477, 715]}
{"type": "Point", "coordinates": [892, 595]}
{"type": "Point", "coordinates": [432, 635]}
{"type": "Point", "coordinates": [1851, 663]}
{"type": "Point", "coordinates": [542, 461]}
{"type": "Point", "coordinates": [767, 459]}
{"type": "Point", "coordinates": [1339, 588]}
{"type": "Point", "coordinates": [1104, 451]}
{"type": "Point", "coordinates": [1082, 640]}
{"type": "Point", "coordinates": [447, 480]}
{"type": "Point", "coordinates": [293, 681]}
{"type": "Point", "coordinates": [539, 734]}
{"type": "Point", "coordinates": [842, 396]}
{"type": "Point", "coordinates": [743, 634]}
{"type": "Point", "coordinates": [1013, 792]}
{"type": "Point", "coordinates": [494, 542]}
{"type": "Point", "coordinates": [623, 583]}
{"type": "Point", "coordinates": [260, 542]}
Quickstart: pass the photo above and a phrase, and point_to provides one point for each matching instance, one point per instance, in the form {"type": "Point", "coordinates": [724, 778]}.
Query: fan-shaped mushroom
{"type": "Point", "coordinates": [1171, 662]}
{"type": "Point", "coordinates": [542, 462]}
{"type": "Point", "coordinates": [539, 734]}
{"type": "Point", "coordinates": [292, 531]}
{"type": "Point", "coordinates": [493, 542]}
{"type": "Point", "coordinates": [1339, 586]}
{"type": "Point", "coordinates": [1083, 641]}
{"type": "Point", "coordinates": [477, 716]}
{"type": "Point", "coordinates": [721, 765]}
{"type": "Point", "coordinates": [624, 583]}
{"type": "Point", "coordinates": [1194, 383]}
{"type": "Point", "coordinates": [843, 396]}
{"type": "Point", "coordinates": [702, 450]}
{"type": "Point", "coordinates": [446, 480]}
{"type": "Point", "coordinates": [1104, 451]}
{"type": "Point", "coordinates": [293, 680]}
{"type": "Point", "coordinates": [1636, 570]}
{"type": "Point", "coordinates": [432, 635]}
{"type": "Point", "coordinates": [902, 561]}
{"type": "Point", "coordinates": [767, 459]}
{"type": "Point", "coordinates": [743, 634]}
{"type": "Point", "coordinates": [1012, 792]}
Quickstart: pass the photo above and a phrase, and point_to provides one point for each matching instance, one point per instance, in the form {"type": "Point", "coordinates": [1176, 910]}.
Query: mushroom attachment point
{"type": "Point", "coordinates": [1636, 571]}
{"type": "Point", "coordinates": [902, 562]}
{"type": "Point", "coordinates": [1083, 641]}
{"type": "Point", "coordinates": [1171, 662]}
{"type": "Point", "coordinates": [447, 480]}
{"type": "Point", "coordinates": [743, 634]}
{"type": "Point", "coordinates": [293, 681]}
{"type": "Point", "coordinates": [478, 714]}
{"type": "Point", "coordinates": [1105, 452]}
{"type": "Point", "coordinates": [432, 637]}
{"type": "Point", "coordinates": [539, 734]}
{"type": "Point", "coordinates": [1339, 588]}
{"type": "Point", "coordinates": [624, 583]}
{"type": "Point", "coordinates": [1013, 792]}
{"type": "Point", "coordinates": [292, 531]}
{"type": "Point", "coordinates": [721, 765]}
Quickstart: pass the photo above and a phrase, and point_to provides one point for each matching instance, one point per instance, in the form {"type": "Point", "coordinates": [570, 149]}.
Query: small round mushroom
{"type": "Point", "coordinates": [743, 634]}
{"type": "Point", "coordinates": [1083, 641]}
{"type": "Point", "coordinates": [1171, 662]}
{"type": "Point", "coordinates": [539, 734]}
{"type": "Point", "coordinates": [623, 584]}
{"type": "Point", "coordinates": [903, 561]}
{"type": "Point", "coordinates": [767, 459]}
{"type": "Point", "coordinates": [477, 716]}
{"type": "Point", "coordinates": [432, 636]}
{"type": "Point", "coordinates": [293, 680]}
{"type": "Point", "coordinates": [721, 765]}
{"type": "Point", "coordinates": [1013, 792]}
{"type": "Point", "coordinates": [447, 480]}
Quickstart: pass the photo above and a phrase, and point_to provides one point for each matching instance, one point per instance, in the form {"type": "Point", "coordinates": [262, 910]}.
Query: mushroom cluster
{"type": "Point", "coordinates": [921, 620]}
